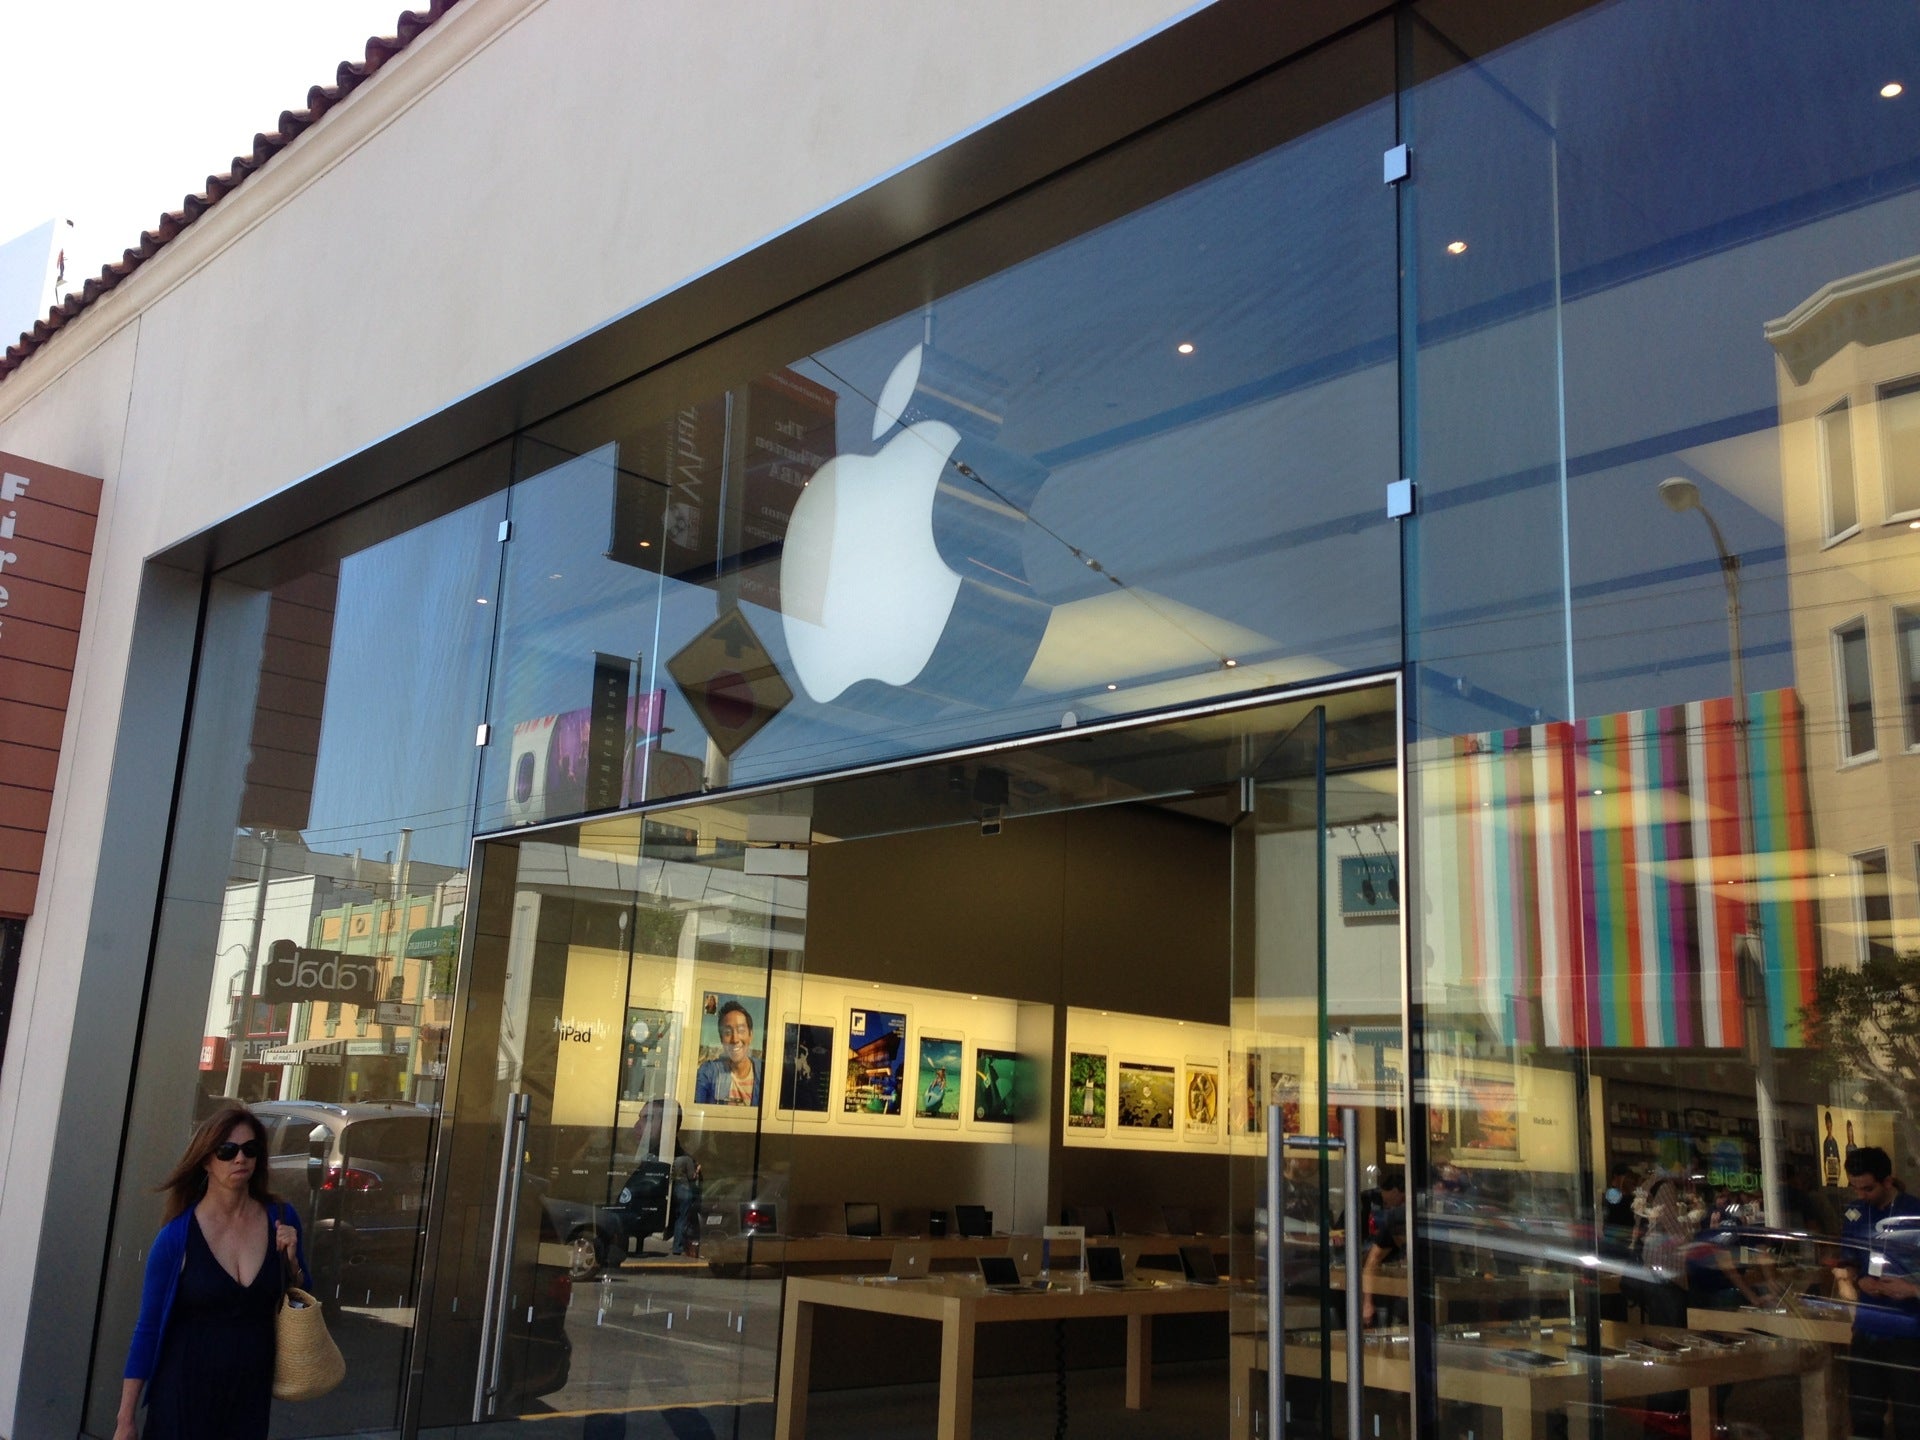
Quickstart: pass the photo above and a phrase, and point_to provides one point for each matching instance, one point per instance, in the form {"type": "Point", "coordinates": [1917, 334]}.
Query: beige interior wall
{"type": "Point", "coordinates": [1122, 908]}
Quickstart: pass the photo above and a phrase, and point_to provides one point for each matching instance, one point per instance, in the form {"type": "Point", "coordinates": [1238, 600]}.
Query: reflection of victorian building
{"type": "Point", "coordinates": [1848, 368]}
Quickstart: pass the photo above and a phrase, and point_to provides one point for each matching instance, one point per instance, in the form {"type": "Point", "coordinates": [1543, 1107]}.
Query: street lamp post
{"type": "Point", "coordinates": [237, 1025]}
{"type": "Point", "coordinates": [1749, 950]}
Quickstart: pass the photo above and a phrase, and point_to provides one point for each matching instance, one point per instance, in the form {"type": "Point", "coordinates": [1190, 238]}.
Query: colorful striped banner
{"type": "Point", "coordinates": [1585, 881]}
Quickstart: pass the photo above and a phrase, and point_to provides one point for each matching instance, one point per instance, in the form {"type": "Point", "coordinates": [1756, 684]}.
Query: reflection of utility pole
{"type": "Point", "coordinates": [1749, 948]}
{"type": "Point", "coordinates": [239, 1022]}
{"type": "Point", "coordinates": [400, 923]}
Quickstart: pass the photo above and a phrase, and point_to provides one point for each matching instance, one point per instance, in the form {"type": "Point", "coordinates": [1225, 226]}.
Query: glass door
{"type": "Point", "coordinates": [1314, 1086]}
{"type": "Point", "coordinates": [1051, 995]}
{"type": "Point", "coordinates": [616, 1173]}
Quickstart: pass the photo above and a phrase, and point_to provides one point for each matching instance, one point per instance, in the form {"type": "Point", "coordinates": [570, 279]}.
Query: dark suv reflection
{"type": "Point", "coordinates": [359, 1172]}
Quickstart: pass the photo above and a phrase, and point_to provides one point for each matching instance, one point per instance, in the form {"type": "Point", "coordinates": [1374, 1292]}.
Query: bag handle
{"type": "Point", "coordinates": [289, 1268]}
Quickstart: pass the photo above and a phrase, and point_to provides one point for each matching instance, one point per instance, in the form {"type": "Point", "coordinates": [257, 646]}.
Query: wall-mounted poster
{"type": "Point", "coordinates": [1489, 1116]}
{"type": "Point", "coordinates": [1146, 1097]}
{"type": "Point", "coordinates": [806, 1068]}
{"type": "Point", "coordinates": [939, 1080]}
{"type": "Point", "coordinates": [1086, 1090]}
{"type": "Point", "coordinates": [1286, 1069]}
{"type": "Point", "coordinates": [646, 1052]}
{"type": "Point", "coordinates": [1246, 1093]}
{"type": "Point", "coordinates": [876, 1060]}
{"type": "Point", "coordinates": [999, 1086]}
{"type": "Point", "coordinates": [732, 1049]}
{"type": "Point", "coordinates": [1202, 1091]}
{"type": "Point", "coordinates": [1369, 885]}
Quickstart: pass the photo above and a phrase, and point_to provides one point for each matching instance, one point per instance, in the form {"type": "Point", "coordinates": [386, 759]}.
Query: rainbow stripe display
{"type": "Point", "coordinates": [1585, 883]}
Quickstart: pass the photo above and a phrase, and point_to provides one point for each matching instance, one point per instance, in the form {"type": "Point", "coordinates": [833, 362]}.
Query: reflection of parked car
{"type": "Point", "coordinates": [602, 1235]}
{"type": "Point", "coordinates": [359, 1173]}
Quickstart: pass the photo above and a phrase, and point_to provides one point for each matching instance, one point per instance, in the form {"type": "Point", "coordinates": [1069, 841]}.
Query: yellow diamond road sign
{"type": "Point", "coordinates": [730, 681]}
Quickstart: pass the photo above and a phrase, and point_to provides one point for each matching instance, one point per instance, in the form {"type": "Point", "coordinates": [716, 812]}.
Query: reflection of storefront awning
{"type": "Point", "coordinates": [305, 1052]}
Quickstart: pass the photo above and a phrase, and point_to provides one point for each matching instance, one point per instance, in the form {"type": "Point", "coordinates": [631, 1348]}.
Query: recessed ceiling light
{"type": "Point", "coordinates": [646, 544]}
{"type": "Point", "coordinates": [1113, 687]}
{"type": "Point", "coordinates": [1913, 524]}
{"type": "Point", "coordinates": [479, 599]}
{"type": "Point", "coordinates": [1185, 347]}
{"type": "Point", "coordinates": [1230, 663]}
{"type": "Point", "coordinates": [1599, 792]}
{"type": "Point", "coordinates": [1891, 89]}
{"type": "Point", "coordinates": [554, 576]}
{"type": "Point", "coordinates": [1457, 247]}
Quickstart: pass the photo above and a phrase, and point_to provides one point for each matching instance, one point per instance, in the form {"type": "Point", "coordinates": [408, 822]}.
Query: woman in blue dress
{"type": "Point", "coordinates": [203, 1348]}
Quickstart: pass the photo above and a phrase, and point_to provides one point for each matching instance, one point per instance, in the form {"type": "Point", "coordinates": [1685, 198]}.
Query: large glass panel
{"type": "Point", "coordinates": [316, 889]}
{"type": "Point", "coordinates": [1317, 1070]}
{"type": "Point", "coordinates": [1014, 1040]}
{"type": "Point", "coordinates": [1120, 444]}
{"type": "Point", "coordinates": [1662, 904]}
{"type": "Point", "coordinates": [619, 1155]}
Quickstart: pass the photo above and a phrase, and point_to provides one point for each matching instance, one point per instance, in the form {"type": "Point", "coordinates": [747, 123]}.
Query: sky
{"type": "Point", "coordinates": [119, 109]}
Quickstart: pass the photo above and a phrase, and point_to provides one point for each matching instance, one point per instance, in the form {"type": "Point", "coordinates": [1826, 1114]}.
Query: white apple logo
{"type": "Point", "coordinates": [863, 590]}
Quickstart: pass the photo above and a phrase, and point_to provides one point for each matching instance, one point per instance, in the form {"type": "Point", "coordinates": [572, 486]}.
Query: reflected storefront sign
{"type": "Point", "coordinates": [294, 972]}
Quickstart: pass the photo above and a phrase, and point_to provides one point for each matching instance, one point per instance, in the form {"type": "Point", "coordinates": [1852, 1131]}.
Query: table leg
{"type": "Point", "coordinates": [1139, 1361]}
{"type": "Point", "coordinates": [956, 1373]}
{"type": "Point", "coordinates": [796, 1365]}
{"type": "Point", "coordinates": [1522, 1422]}
{"type": "Point", "coordinates": [1241, 1371]}
{"type": "Point", "coordinates": [1700, 1407]}
{"type": "Point", "coordinates": [1817, 1410]}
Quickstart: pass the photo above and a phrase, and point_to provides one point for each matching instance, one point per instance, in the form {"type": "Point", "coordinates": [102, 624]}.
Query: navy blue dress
{"type": "Point", "coordinates": [214, 1377]}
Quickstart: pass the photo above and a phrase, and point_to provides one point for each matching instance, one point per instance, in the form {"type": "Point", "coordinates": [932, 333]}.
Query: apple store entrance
{"type": "Point", "coordinates": [941, 1091]}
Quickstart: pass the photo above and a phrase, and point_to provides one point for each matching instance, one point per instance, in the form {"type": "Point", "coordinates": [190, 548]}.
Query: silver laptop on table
{"type": "Point", "coordinates": [911, 1261]}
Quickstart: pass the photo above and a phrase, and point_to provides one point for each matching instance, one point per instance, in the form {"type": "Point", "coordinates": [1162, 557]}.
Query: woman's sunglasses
{"type": "Point", "coordinates": [229, 1149]}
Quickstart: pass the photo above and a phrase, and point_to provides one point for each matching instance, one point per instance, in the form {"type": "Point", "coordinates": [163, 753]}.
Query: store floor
{"type": "Point", "coordinates": [1189, 1403]}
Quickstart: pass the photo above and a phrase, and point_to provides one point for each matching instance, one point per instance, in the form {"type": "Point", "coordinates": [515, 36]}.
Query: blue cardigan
{"type": "Point", "coordinates": [165, 1260]}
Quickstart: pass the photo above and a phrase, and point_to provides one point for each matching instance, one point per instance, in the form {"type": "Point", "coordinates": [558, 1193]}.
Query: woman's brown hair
{"type": "Point", "coordinates": [187, 1181]}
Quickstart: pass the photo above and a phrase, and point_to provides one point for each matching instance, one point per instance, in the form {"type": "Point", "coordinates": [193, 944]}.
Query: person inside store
{"type": "Point", "coordinates": [1386, 1248]}
{"type": "Point", "coordinates": [678, 1180]}
{"type": "Point", "coordinates": [1884, 1359]}
{"type": "Point", "coordinates": [1449, 1195]}
{"type": "Point", "coordinates": [733, 1076]}
{"type": "Point", "coordinates": [1616, 1213]}
{"type": "Point", "coordinates": [1666, 1214]}
{"type": "Point", "coordinates": [203, 1346]}
{"type": "Point", "coordinates": [1617, 1231]}
{"type": "Point", "coordinates": [1715, 1279]}
{"type": "Point", "coordinates": [1803, 1206]}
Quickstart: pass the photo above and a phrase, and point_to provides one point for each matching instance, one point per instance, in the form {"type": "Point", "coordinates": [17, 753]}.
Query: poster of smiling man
{"type": "Point", "coordinates": [732, 1049]}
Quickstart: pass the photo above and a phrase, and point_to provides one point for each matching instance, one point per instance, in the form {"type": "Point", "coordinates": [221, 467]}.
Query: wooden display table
{"type": "Point", "coordinates": [958, 1306]}
{"type": "Point", "coordinates": [848, 1255]}
{"type": "Point", "coordinates": [1824, 1413]}
{"type": "Point", "coordinates": [1526, 1399]}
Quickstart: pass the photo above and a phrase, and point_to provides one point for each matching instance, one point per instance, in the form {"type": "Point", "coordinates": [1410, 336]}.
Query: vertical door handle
{"type": "Point", "coordinates": [506, 1219]}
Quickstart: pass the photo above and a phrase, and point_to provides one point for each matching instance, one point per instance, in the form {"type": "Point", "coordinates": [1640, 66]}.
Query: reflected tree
{"type": "Point", "coordinates": [1865, 1031]}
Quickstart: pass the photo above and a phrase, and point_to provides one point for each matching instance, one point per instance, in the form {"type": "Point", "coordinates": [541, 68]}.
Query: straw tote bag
{"type": "Point", "coordinates": [306, 1362]}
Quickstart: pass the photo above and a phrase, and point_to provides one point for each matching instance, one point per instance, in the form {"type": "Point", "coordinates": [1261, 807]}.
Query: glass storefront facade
{"type": "Point", "coordinates": [977, 751]}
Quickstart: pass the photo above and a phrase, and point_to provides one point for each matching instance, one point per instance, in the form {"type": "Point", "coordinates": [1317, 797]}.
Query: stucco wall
{"type": "Point", "coordinates": [520, 176]}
